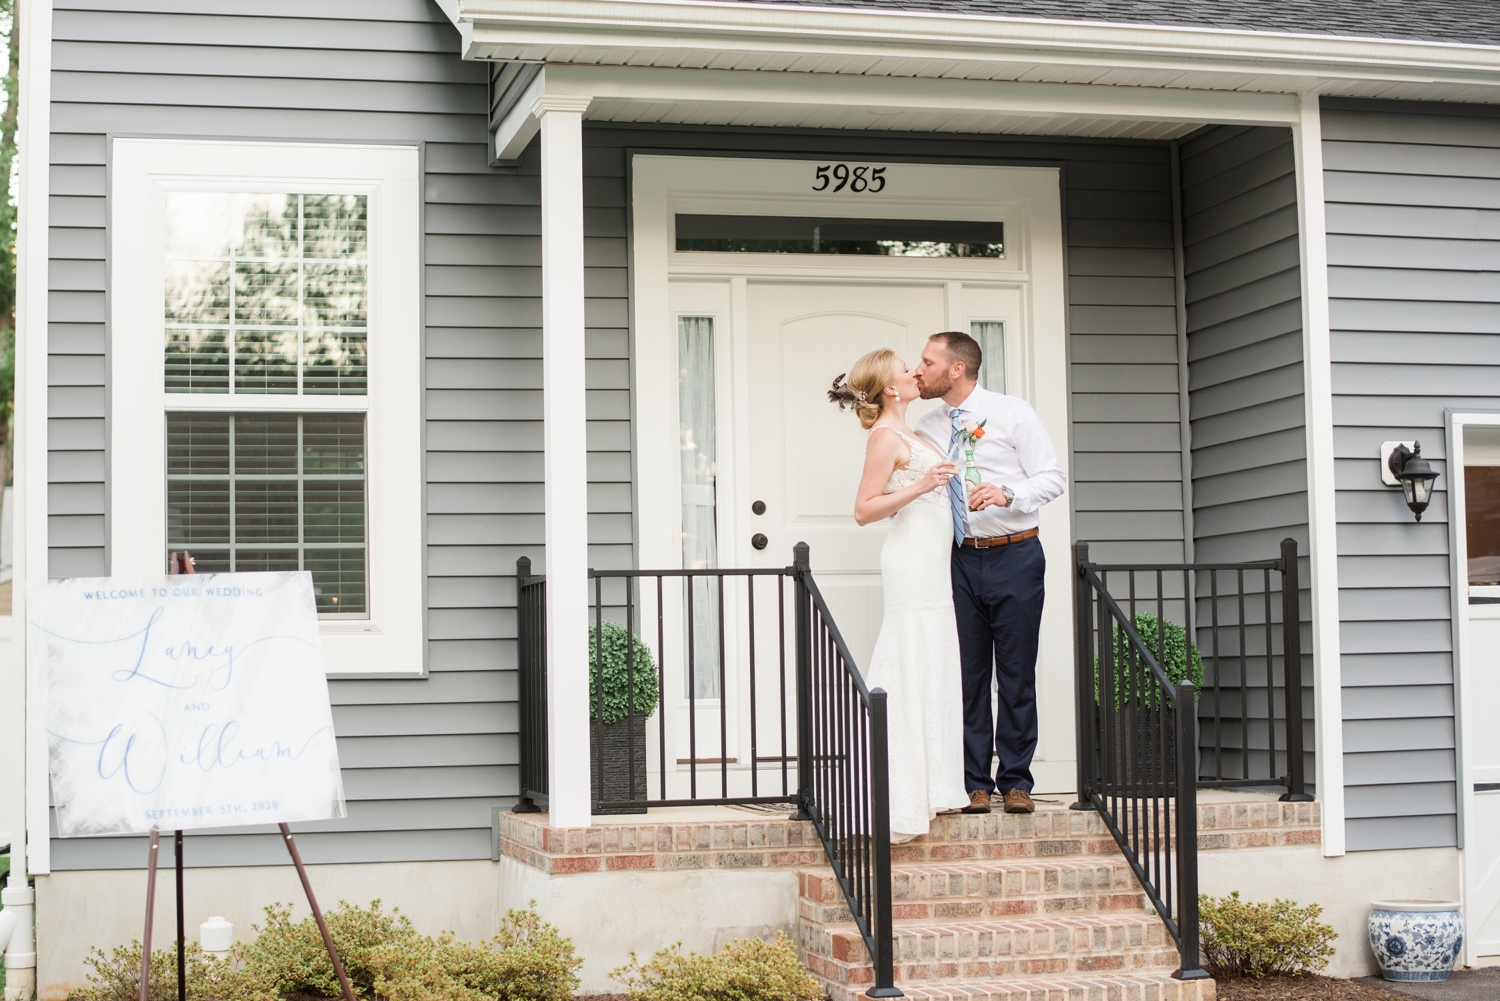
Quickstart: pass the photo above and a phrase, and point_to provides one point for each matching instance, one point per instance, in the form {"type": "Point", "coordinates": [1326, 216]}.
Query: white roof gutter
{"type": "Point", "coordinates": [532, 29]}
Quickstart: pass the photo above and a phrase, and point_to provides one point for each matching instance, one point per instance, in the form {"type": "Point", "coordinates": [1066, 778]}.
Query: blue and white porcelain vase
{"type": "Point", "coordinates": [1416, 939]}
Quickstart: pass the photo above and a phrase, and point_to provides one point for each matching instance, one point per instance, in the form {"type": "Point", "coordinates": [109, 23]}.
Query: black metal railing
{"type": "Point", "coordinates": [745, 650]}
{"type": "Point", "coordinates": [724, 636]}
{"type": "Point", "coordinates": [531, 670]}
{"type": "Point", "coordinates": [1231, 637]}
{"type": "Point", "coordinates": [1179, 669]}
{"type": "Point", "coordinates": [1136, 758]}
{"type": "Point", "coordinates": [845, 779]}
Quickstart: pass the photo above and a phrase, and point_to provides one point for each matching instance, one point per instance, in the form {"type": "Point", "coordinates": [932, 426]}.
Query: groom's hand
{"type": "Point", "coordinates": [987, 495]}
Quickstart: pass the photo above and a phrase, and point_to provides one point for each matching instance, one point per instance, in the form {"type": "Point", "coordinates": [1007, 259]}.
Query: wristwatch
{"type": "Point", "coordinates": [1010, 495]}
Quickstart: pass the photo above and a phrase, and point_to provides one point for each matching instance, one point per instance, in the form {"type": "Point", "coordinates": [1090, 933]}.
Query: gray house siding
{"type": "Point", "coordinates": [1244, 327]}
{"type": "Point", "coordinates": [1413, 194]}
{"type": "Point", "coordinates": [424, 760]}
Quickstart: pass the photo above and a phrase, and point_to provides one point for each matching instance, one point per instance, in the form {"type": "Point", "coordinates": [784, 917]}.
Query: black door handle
{"type": "Point", "coordinates": [759, 507]}
{"type": "Point", "coordinates": [759, 541]}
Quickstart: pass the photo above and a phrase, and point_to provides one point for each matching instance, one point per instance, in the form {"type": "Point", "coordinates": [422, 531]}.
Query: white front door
{"type": "Point", "coordinates": [740, 454]}
{"type": "Point", "coordinates": [806, 454]}
{"type": "Point", "coordinates": [1483, 849]}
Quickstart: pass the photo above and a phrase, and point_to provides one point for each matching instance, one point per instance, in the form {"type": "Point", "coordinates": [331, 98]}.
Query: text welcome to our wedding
{"type": "Point", "coordinates": [184, 702]}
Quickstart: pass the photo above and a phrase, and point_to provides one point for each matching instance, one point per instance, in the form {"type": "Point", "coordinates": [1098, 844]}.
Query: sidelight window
{"type": "Point", "coordinates": [697, 432]}
{"type": "Point", "coordinates": [991, 337]}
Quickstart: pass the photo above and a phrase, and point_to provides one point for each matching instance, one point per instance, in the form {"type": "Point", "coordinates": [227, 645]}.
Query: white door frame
{"type": "Point", "coordinates": [1026, 199]}
{"type": "Point", "coordinates": [1458, 576]}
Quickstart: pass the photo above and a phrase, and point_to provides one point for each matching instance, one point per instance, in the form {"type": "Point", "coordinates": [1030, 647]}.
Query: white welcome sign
{"type": "Point", "coordinates": [184, 701]}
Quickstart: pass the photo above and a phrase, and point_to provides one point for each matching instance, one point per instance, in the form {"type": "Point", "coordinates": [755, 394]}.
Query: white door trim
{"type": "Point", "coordinates": [1027, 199]}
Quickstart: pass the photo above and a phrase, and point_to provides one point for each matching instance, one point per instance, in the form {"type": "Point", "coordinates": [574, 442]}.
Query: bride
{"type": "Point", "coordinates": [916, 656]}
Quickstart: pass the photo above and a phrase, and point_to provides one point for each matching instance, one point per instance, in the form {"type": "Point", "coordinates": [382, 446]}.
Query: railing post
{"type": "Point", "coordinates": [1184, 707]}
{"type": "Point", "coordinates": [801, 565]}
{"type": "Point", "coordinates": [1084, 663]}
{"type": "Point", "coordinates": [880, 815]}
{"type": "Point", "coordinates": [1291, 655]}
{"type": "Point", "coordinates": [526, 690]}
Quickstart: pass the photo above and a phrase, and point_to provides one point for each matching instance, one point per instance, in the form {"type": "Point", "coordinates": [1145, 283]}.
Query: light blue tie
{"type": "Point", "coordinates": [956, 485]}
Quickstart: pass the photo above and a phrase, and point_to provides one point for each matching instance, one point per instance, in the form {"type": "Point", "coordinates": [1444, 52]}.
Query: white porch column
{"type": "Point", "coordinates": [1317, 388]}
{"type": "Point", "coordinates": [566, 492]}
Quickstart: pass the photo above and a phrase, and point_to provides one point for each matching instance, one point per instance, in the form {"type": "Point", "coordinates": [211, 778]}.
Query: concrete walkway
{"type": "Point", "coordinates": [1464, 985]}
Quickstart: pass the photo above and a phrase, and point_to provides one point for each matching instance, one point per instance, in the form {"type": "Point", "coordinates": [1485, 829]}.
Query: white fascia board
{"type": "Point", "coordinates": [449, 7]}
{"type": "Point", "coordinates": [520, 125]}
{"type": "Point", "coordinates": [507, 29]}
{"type": "Point", "coordinates": [957, 97]}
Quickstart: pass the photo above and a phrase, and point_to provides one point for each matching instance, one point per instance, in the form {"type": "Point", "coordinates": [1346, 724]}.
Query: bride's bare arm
{"type": "Point", "coordinates": [882, 455]}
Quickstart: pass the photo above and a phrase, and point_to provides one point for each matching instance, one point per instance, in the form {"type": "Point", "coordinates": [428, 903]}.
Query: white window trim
{"type": "Point", "coordinates": [390, 641]}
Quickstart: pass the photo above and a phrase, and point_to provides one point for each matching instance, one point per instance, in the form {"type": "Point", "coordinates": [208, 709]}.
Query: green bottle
{"type": "Point", "coordinates": [971, 473]}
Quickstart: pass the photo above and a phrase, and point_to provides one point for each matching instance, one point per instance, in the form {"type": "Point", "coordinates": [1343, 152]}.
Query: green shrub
{"type": "Point", "coordinates": [747, 969]}
{"type": "Point", "coordinates": [619, 692]}
{"type": "Point", "coordinates": [1167, 642]}
{"type": "Point", "coordinates": [528, 961]}
{"type": "Point", "coordinates": [116, 977]}
{"type": "Point", "coordinates": [383, 955]}
{"type": "Point", "coordinates": [1242, 939]}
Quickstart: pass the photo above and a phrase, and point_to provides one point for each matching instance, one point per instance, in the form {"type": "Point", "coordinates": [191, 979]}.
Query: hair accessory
{"type": "Point", "coordinates": [859, 394]}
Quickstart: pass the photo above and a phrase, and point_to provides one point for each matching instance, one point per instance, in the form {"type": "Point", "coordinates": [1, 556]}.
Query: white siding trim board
{"type": "Point", "coordinates": [1307, 135]}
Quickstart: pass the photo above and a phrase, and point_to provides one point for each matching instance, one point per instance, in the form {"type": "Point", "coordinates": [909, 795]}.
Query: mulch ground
{"type": "Point", "coordinates": [1303, 988]}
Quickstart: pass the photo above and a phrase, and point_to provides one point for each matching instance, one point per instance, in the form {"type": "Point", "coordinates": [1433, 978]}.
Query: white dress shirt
{"type": "Point", "coordinates": [1015, 452]}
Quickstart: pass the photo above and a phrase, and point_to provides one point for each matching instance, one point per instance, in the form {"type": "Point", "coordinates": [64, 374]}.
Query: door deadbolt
{"type": "Point", "coordinates": [759, 541]}
{"type": "Point", "coordinates": [759, 507]}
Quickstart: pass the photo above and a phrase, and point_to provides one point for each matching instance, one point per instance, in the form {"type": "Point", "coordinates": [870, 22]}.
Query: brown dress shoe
{"type": "Point", "coordinates": [979, 802]}
{"type": "Point", "coordinates": [1016, 801]}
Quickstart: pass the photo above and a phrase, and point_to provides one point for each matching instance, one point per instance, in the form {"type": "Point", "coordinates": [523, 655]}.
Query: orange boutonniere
{"type": "Point", "coordinates": [970, 434]}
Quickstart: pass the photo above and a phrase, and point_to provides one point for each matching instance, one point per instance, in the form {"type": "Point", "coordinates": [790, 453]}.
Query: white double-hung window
{"type": "Point", "coordinates": [265, 376]}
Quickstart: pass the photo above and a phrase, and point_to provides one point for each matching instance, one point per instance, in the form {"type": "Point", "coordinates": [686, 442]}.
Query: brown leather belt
{"type": "Point", "coordinates": [1001, 540]}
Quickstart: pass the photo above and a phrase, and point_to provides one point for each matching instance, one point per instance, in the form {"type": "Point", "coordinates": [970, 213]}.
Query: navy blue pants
{"type": "Point", "coordinates": [997, 596]}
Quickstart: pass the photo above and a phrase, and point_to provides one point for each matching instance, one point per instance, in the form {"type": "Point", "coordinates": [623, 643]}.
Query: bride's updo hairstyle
{"type": "Point", "coordinates": [868, 380]}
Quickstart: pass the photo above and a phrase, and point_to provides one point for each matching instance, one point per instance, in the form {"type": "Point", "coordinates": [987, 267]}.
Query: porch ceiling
{"type": "Point", "coordinates": [736, 97]}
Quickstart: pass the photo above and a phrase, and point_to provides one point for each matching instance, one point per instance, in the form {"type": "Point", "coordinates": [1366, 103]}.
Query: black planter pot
{"type": "Point", "coordinates": [613, 781]}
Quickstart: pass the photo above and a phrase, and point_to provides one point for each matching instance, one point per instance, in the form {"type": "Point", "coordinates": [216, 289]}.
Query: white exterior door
{"type": "Point", "coordinates": [737, 346]}
{"type": "Point", "coordinates": [1483, 850]}
{"type": "Point", "coordinates": [806, 454]}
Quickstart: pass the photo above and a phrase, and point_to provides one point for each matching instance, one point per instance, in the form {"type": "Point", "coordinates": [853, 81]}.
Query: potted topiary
{"type": "Point", "coordinates": [1140, 716]}
{"type": "Point", "coordinates": [623, 694]}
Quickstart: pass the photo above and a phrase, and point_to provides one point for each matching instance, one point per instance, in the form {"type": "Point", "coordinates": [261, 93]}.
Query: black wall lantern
{"type": "Point", "coordinates": [1416, 476]}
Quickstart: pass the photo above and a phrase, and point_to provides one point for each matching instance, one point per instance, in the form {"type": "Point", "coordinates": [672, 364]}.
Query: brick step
{"type": "Point", "coordinates": [935, 952]}
{"type": "Point", "coordinates": [1002, 888]}
{"type": "Point", "coordinates": [1059, 832]}
{"type": "Point", "coordinates": [1147, 987]}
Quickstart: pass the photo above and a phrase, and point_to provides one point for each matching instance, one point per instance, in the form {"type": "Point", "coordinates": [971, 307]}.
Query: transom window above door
{"type": "Point", "coordinates": [754, 234]}
{"type": "Point", "coordinates": [266, 293]}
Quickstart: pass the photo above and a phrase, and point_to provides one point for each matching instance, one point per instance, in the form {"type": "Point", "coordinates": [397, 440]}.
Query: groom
{"type": "Point", "coordinates": [997, 561]}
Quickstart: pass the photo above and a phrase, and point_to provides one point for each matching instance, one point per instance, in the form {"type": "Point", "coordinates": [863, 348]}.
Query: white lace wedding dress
{"type": "Point", "coordinates": [916, 656]}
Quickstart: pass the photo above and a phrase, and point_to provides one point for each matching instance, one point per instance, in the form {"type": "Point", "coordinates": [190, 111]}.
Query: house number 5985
{"type": "Point", "coordinates": [857, 179]}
